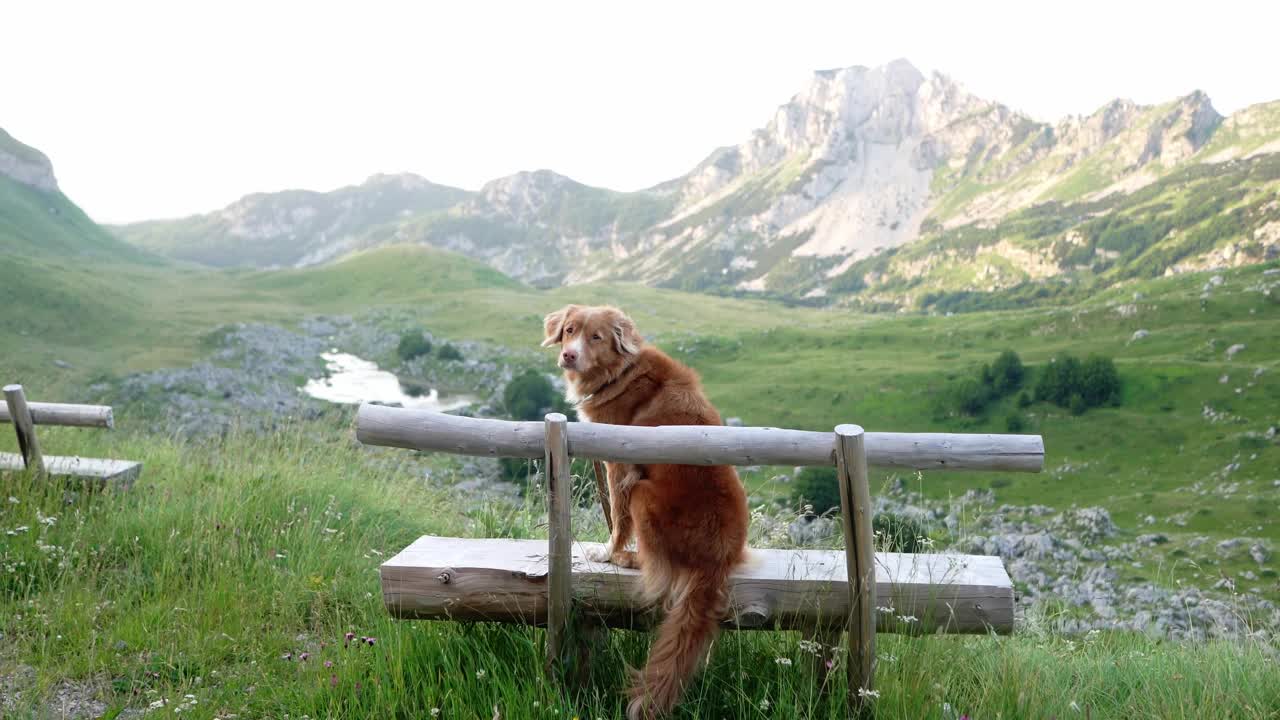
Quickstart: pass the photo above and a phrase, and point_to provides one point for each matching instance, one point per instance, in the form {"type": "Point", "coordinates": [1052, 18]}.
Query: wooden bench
{"type": "Point", "coordinates": [25, 416]}
{"type": "Point", "coordinates": [819, 591]}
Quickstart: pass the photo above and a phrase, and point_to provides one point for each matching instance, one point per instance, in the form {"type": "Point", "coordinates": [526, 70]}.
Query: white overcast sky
{"type": "Point", "coordinates": [169, 108]}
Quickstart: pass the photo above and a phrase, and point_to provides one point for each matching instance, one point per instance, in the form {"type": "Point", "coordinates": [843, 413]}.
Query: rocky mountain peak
{"type": "Point", "coordinates": [526, 193]}
{"type": "Point", "coordinates": [26, 165]}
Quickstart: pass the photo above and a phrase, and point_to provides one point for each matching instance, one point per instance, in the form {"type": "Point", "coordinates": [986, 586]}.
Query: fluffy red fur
{"type": "Point", "coordinates": [689, 521]}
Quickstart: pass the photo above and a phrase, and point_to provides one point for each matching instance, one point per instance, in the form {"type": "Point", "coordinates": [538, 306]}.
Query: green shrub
{"type": "Point", "coordinates": [1007, 373]}
{"type": "Point", "coordinates": [1099, 382]}
{"type": "Point", "coordinates": [969, 396]}
{"type": "Point", "coordinates": [1058, 380]}
{"type": "Point", "coordinates": [1014, 423]}
{"type": "Point", "coordinates": [972, 395]}
{"type": "Point", "coordinates": [1067, 382]}
{"type": "Point", "coordinates": [529, 396]}
{"type": "Point", "coordinates": [898, 533]}
{"type": "Point", "coordinates": [816, 485]}
{"type": "Point", "coordinates": [413, 344]}
{"type": "Point", "coordinates": [1024, 399]}
{"type": "Point", "coordinates": [449, 352]}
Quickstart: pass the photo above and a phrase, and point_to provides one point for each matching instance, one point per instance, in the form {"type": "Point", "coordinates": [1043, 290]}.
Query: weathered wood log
{"type": "Point", "coordinates": [559, 537]}
{"type": "Point", "coordinates": [95, 471]}
{"type": "Point", "coordinates": [506, 581]}
{"type": "Point", "coordinates": [28, 446]}
{"type": "Point", "coordinates": [693, 444]}
{"type": "Point", "coordinates": [855, 516]}
{"type": "Point", "coordinates": [68, 414]}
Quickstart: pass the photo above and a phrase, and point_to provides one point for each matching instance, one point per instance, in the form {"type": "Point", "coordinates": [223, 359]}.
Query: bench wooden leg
{"type": "Point", "coordinates": [560, 539]}
{"type": "Point", "coordinates": [855, 513]}
{"type": "Point", "coordinates": [25, 427]}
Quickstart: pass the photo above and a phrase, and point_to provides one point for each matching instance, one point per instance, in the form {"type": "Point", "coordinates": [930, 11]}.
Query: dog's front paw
{"type": "Point", "coordinates": [598, 553]}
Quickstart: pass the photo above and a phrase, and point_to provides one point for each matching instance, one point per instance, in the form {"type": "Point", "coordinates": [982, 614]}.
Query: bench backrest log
{"type": "Point", "coordinates": [693, 444]}
{"type": "Point", "coordinates": [848, 448]}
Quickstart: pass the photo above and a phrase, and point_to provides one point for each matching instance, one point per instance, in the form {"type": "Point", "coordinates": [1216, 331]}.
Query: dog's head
{"type": "Point", "coordinates": [593, 338]}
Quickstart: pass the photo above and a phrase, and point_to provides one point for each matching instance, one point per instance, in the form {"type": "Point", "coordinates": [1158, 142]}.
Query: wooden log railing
{"type": "Point", "coordinates": [693, 444]}
{"type": "Point", "coordinates": [416, 584]}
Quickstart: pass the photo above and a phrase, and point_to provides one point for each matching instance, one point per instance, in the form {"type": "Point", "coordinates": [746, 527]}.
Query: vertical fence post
{"type": "Point", "coordinates": [25, 427]}
{"type": "Point", "coordinates": [560, 536]}
{"type": "Point", "coordinates": [855, 513]}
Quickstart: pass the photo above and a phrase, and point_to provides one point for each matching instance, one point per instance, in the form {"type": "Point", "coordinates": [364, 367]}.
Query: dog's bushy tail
{"type": "Point", "coordinates": [696, 601]}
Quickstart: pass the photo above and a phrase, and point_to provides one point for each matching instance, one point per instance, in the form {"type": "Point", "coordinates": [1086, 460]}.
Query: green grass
{"type": "Point", "coordinates": [228, 560]}
{"type": "Point", "coordinates": [232, 565]}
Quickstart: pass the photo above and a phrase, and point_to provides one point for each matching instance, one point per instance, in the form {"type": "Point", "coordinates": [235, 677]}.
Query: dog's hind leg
{"type": "Point", "coordinates": [622, 478]}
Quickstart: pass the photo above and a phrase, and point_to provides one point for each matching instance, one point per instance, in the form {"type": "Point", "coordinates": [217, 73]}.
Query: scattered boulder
{"type": "Point", "coordinates": [810, 528]}
{"type": "Point", "coordinates": [62, 364]}
{"type": "Point", "coordinates": [1227, 548]}
{"type": "Point", "coordinates": [1259, 553]}
{"type": "Point", "coordinates": [733, 422]}
{"type": "Point", "coordinates": [1231, 351]}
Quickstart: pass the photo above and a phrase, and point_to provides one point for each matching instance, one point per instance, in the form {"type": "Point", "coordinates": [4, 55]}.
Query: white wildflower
{"type": "Point", "coordinates": [786, 662]}
{"type": "Point", "coordinates": [865, 693]}
{"type": "Point", "coordinates": [481, 673]}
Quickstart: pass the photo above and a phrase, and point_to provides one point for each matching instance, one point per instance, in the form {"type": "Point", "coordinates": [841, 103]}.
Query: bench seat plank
{"type": "Point", "coordinates": [116, 472]}
{"type": "Point", "coordinates": [506, 581]}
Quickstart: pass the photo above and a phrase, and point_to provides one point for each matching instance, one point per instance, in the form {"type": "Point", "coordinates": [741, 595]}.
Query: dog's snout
{"type": "Point", "coordinates": [569, 357]}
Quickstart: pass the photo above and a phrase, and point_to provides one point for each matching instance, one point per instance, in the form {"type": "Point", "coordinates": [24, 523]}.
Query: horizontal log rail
{"type": "Point", "coordinates": [693, 444]}
{"type": "Point", "coordinates": [98, 416]}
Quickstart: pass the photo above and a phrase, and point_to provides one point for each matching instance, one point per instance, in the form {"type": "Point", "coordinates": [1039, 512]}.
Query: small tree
{"type": "Point", "coordinates": [1007, 373]}
{"type": "Point", "coordinates": [413, 344]}
{"type": "Point", "coordinates": [1059, 380]}
{"type": "Point", "coordinates": [449, 352]}
{"type": "Point", "coordinates": [1099, 382]}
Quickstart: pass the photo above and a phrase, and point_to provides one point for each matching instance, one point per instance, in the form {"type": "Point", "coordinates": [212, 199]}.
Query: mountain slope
{"type": "Point", "coordinates": [861, 163]}
{"type": "Point", "coordinates": [36, 219]}
{"type": "Point", "coordinates": [294, 227]}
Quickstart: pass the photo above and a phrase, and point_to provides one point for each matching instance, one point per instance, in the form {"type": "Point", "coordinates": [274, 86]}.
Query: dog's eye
{"type": "Point", "coordinates": [596, 337]}
{"type": "Point", "coordinates": [568, 330]}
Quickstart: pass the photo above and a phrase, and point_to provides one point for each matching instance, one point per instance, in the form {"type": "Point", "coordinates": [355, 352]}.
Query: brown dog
{"type": "Point", "coordinates": [690, 521]}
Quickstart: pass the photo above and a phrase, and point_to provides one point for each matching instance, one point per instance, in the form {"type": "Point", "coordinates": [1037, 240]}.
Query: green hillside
{"type": "Point", "coordinates": [39, 223]}
{"type": "Point", "coordinates": [102, 605]}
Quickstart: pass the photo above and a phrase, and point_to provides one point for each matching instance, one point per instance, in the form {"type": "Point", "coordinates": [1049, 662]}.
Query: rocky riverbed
{"type": "Point", "coordinates": [253, 375]}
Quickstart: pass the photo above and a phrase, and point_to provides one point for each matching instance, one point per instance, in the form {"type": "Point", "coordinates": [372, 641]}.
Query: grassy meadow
{"type": "Point", "coordinates": [238, 579]}
{"type": "Point", "coordinates": [199, 591]}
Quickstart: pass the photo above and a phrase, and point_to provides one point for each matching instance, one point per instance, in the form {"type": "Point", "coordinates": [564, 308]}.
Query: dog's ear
{"type": "Point", "coordinates": [626, 339]}
{"type": "Point", "coordinates": [553, 325]}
